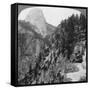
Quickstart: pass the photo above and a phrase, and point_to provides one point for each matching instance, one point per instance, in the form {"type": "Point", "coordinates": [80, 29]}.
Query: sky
{"type": "Point", "coordinates": [53, 15]}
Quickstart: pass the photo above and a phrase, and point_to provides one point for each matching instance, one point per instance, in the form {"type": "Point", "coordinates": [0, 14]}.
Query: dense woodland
{"type": "Point", "coordinates": [49, 60]}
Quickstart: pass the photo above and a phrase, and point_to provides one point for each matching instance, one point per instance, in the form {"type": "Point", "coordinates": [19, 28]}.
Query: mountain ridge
{"type": "Point", "coordinates": [37, 19]}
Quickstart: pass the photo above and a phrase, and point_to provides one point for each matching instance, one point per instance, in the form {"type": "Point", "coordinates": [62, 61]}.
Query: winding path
{"type": "Point", "coordinates": [76, 76]}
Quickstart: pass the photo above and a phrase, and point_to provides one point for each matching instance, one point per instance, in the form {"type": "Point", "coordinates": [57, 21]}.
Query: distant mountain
{"type": "Point", "coordinates": [37, 19]}
{"type": "Point", "coordinates": [50, 29]}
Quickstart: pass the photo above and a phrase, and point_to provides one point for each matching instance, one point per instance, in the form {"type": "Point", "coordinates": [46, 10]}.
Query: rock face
{"type": "Point", "coordinates": [36, 18]}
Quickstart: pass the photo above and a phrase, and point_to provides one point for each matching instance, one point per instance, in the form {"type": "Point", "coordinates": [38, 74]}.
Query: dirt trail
{"type": "Point", "coordinates": [76, 76]}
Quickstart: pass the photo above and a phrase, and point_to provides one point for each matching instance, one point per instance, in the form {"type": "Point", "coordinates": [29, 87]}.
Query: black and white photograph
{"type": "Point", "coordinates": [51, 45]}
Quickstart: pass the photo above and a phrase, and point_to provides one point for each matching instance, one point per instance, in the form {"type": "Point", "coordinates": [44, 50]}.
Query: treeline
{"type": "Point", "coordinates": [69, 32]}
